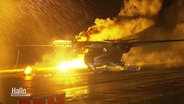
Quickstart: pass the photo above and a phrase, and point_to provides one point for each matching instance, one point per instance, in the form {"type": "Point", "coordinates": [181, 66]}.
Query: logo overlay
{"type": "Point", "coordinates": [19, 92]}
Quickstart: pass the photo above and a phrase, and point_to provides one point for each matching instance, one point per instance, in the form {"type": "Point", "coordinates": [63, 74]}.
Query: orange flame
{"type": "Point", "coordinates": [74, 64]}
{"type": "Point", "coordinates": [28, 70]}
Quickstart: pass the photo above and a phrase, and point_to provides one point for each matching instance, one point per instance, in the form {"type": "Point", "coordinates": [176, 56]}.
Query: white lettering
{"type": "Point", "coordinates": [13, 90]}
{"type": "Point", "coordinates": [19, 92]}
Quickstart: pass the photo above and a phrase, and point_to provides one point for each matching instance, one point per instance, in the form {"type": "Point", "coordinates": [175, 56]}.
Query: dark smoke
{"type": "Point", "coordinates": [145, 20]}
{"type": "Point", "coordinates": [168, 15]}
{"type": "Point", "coordinates": [168, 25]}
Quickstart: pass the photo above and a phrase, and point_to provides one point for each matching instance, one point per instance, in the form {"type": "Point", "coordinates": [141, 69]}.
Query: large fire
{"type": "Point", "coordinates": [63, 57]}
{"type": "Point", "coordinates": [111, 30]}
{"type": "Point", "coordinates": [134, 17]}
{"type": "Point", "coordinates": [116, 28]}
{"type": "Point", "coordinates": [144, 19]}
{"type": "Point", "coordinates": [73, 64]}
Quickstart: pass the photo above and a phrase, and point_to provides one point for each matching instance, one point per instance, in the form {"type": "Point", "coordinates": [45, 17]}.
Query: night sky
{"type": "Point", "coordinates": [42, 21]}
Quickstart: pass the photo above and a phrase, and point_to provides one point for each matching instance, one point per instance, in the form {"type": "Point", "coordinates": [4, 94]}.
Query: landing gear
{"type": "Point", "coordinates": [106, 68]}
{"type": "Point", "coordinates": [91, 68]}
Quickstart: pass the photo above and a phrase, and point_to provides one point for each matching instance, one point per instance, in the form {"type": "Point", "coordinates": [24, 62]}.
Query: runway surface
{"type": "Point", "coordinates": [144, 86]}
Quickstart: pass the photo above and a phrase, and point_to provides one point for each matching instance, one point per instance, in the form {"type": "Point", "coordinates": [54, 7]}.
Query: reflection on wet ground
{"type": "Point", "coordinates": [159, 86]}
{"type": "Point", "coordinates": [73, 84]}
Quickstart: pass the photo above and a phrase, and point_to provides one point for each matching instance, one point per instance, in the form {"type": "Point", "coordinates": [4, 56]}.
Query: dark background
{"type": "Point", "coordinates": [42, 21]}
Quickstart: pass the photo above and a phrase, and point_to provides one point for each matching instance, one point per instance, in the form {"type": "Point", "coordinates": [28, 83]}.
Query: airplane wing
{"type": "Point", "coordinates": [136, 43]}
{"type": "Point", "coordinates": [125, 45]}
{"type": "Point", "coordinates": [152, 42]}
{"type": "Point", "coordinates": [57, 43]}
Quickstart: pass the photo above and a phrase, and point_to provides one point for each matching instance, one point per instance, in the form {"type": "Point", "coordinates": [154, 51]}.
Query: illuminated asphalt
{"type": "Point", "coordinates": [146, 86]}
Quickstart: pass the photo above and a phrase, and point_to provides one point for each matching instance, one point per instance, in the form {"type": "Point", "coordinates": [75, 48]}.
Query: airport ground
{"type": "Point", "coordinates": [144, 86]}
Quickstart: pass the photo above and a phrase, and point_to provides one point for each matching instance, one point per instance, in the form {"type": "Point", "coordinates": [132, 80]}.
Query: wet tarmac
{"type": "Point", "coordinates": [145, 86]}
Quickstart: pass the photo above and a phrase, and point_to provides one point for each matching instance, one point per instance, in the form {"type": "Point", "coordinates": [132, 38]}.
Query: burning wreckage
{"type": "Point", "coordinates": [98, 53]}
{"type": "Point", "coordinates": [105, 43]}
